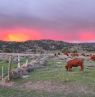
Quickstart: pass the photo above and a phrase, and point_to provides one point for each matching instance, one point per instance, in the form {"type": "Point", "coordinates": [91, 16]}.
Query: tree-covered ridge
{"type": "Point", "coordinates": [43, 45]}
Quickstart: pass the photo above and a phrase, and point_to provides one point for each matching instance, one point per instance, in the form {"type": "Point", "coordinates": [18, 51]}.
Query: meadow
{"type": "Point", "coordinates": [54, 81]}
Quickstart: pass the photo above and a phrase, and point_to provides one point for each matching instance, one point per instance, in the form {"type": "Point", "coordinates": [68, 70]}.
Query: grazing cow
{"type": "Point", "coordinates": [83, 54]}
{"type": "Point", "coordinates": [92, 57]}
{"type": "Point", "coordinates": [59, 53]}
{"type": "Point", "coordinates": [74, 63]}
{"type": "Point", "coordinates": [66, 54]}
{"type": "Point", "coordinates": [74, 54]}
{"type": "Point", "coordinates": [55, 54]}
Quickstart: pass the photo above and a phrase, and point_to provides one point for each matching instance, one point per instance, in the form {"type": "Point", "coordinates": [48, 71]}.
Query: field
{"type": "Point", "coordinates": [53, 80]}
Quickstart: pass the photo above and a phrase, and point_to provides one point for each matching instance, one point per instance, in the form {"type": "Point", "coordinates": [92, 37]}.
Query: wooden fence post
{"type": "Point", "coordinates": [19, 61]}
{"type": "Point", "coordinates": [2, 73]}
{"type": "Point", "coordinates": [9, 68]}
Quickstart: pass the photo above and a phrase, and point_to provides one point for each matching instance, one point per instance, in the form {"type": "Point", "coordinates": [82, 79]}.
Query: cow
{"type": "Point", "coordinates": [59, 53]}
{"type": "Point", "coordinates": [74, 54]}
{"type": "Point", "coordinates": [92, 57]}
{"type": "Point", "coordinates": [74, 63]}
{"type": "Point", "coordinates": [55, 54]}
{"type": "Point", "coordinates": [83, 54]}
{"type": "Point", "coordinates": [66, 54]}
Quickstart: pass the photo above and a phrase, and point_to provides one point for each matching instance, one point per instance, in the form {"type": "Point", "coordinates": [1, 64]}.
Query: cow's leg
{"type": "Point", "coordinates": [70, 69]}
{"type": "Point", "coordinates": [66, 67]}
{"type": "Point", "coordinates": [81, 67]}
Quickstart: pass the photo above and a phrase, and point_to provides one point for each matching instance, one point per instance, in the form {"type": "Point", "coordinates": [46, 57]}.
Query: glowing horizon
{"type": "Point", "coordinates": [22, 34]}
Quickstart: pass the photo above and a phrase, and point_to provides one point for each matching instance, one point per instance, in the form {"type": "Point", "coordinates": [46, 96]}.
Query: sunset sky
{"type": "Point", "coordinates": [66, 20]}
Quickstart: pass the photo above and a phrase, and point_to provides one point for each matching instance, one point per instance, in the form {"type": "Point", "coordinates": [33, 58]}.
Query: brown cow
{"type": "Point", "coordinates": [92, 57]}
{"type": "Point", "coordinates": [66, 54]}
{"type": "Point", "coordinates": [74, 63]}
{"type": "Point", "coordinates": [74, 54]}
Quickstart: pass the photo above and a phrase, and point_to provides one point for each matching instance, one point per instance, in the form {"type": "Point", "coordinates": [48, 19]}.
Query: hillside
{"type": "Point", "coordinates": [34, 46]}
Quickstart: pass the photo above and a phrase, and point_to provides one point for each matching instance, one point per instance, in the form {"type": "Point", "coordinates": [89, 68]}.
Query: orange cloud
{"type": "Point", "coordinates": [20, 34]}
{"type": "Point", "coordinates": [16, 37]}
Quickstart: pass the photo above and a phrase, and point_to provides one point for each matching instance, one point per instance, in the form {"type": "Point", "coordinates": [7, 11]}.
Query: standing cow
{"type": "Point", "coordinates": [74, 63]}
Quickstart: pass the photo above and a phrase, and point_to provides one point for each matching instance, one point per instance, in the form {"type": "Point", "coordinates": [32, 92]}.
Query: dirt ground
{"type": "Point", "coordinates": [51, 86]}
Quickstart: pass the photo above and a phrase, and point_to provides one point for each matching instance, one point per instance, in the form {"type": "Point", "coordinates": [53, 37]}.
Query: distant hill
{"type": "Point", "coordinates": [34, 46]}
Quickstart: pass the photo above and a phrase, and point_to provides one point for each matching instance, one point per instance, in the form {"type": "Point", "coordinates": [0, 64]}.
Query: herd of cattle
{"type": "Point", "coordinates": [76, 59]}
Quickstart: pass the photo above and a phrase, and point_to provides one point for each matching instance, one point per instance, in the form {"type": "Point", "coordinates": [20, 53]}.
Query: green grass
{"type": "Point", "coordinates": [5, 65]}
{"type": "Point", "coordinates": [55, 71]}
{"type": "Point", "coordinates": [16, 93]}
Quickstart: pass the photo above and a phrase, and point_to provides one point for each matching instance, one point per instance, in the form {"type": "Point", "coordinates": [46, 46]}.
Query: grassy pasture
{"type": "Point", "coordinates": [55, 73]}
